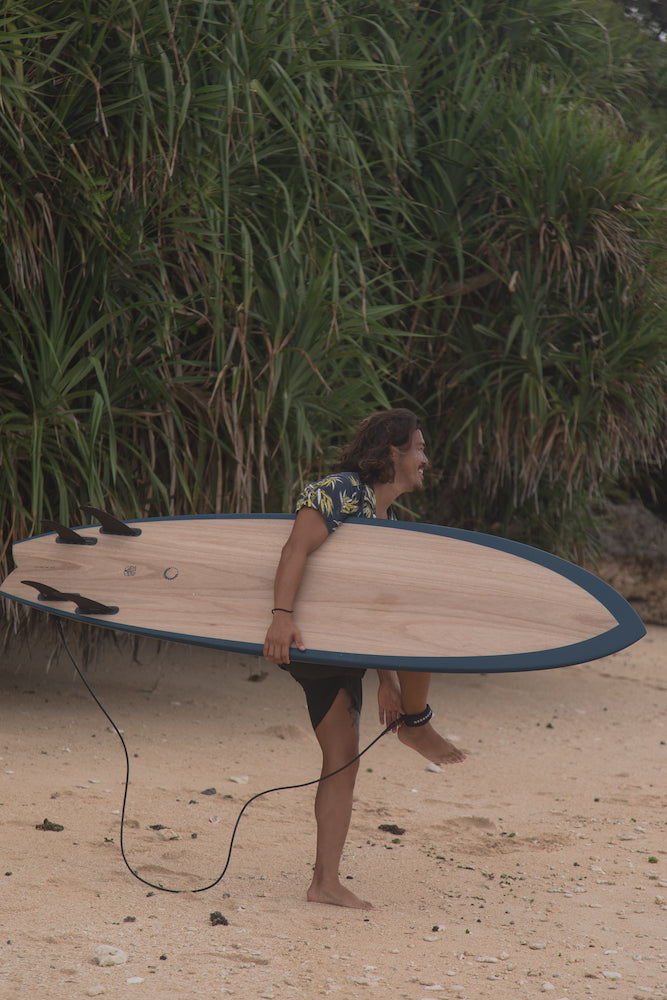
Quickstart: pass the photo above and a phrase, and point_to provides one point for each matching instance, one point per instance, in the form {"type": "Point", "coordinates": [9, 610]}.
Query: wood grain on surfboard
{"type": "Point", "coordinates": [375, 594]}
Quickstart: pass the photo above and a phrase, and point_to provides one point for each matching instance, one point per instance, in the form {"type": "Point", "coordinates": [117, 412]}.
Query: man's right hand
{"type": "Point", "coordinates": [281, 635]}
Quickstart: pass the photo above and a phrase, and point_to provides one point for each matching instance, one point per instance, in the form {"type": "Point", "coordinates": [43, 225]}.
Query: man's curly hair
{"type": "Point", "coordinates": [369, 452]}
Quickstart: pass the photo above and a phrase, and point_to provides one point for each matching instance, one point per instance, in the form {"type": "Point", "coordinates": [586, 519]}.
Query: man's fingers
{"type": "Point", "coordinates": [280, 652]}
{"type": "Point", "coordinates": [270, 653]}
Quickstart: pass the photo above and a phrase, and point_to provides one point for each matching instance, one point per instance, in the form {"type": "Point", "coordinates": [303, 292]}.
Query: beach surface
{"type": "Point", "coordinates": [537, 868]}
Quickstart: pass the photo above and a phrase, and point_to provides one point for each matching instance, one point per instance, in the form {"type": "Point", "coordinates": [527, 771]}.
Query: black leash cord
{"type": "Point", "coordinates": [267, 791]}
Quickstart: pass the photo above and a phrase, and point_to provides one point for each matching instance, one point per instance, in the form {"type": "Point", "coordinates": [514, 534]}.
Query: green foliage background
{"type": "Point", "coordinates": [231, 229]}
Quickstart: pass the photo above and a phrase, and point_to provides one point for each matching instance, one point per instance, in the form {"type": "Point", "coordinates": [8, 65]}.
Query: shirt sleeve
{"type": "Point", "coordinates": [336, 498]}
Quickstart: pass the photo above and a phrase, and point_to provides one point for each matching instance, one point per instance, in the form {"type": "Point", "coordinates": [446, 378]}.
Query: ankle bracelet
{"type": "Point", "coordinates": [420, 719]}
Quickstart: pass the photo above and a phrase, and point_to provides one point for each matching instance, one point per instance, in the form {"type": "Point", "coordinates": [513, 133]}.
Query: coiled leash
{"type": "Point", "coordinates": [409, 720]}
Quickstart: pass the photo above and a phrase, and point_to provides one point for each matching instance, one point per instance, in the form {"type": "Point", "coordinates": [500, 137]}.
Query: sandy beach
{"type": "Point", "coordinates": [536, 868]}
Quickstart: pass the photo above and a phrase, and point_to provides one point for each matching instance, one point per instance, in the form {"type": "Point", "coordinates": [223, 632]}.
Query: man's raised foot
{"type": "Point", "coordinates": [430, 744]}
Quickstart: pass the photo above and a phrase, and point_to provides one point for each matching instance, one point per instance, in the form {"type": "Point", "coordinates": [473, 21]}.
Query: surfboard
{"type": "Point", "coordinates": [384, 594]}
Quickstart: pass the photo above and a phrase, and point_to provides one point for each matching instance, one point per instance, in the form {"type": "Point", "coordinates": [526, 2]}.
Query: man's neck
{"type": "Point", "coordinates": [385, 494]}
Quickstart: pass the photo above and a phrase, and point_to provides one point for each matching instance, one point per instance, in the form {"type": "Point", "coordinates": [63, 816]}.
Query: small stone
{"type": "Point", "coordinates": [537, 946]}
{"type": "Point", "coordinates": [133, 980]}
{"type": "Point", "coordinates": [107, 954]}
{"type": "Point", "coordinates": [239, 779]}
{"type": "Point", "coordinates": [218, 920]}
{"type": "Point", "coordinates": [397, 831]}
{"type": "Point", "coordinates": [612, 975]}
{"type": "Point", "coordinates": [547, 987]}
{"type": "Point", "coordinates": [487, 958]}
{"type": "Point", "coordinates": [48, 825]}
{"type": "Point", "coordinates": [167, 834]}
{"type": "Point", "coordinates": [95, 991]}
{"type": "Point", "coordinates": [435, 768]}
{"type": "Point", "coordinates": [209, 791]}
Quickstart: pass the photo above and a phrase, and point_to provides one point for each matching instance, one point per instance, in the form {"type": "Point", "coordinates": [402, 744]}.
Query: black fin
{"type": "Point", "coordinates": [66, 535]}
{"type": "Point", "coordinates": [110, 524]}
{"type": "Point", "coordinates": [84, 605]}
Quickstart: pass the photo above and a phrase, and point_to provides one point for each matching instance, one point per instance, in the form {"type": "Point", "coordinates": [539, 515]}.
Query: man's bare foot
{"type": "Point", "coordinates": [430, 744]}
{"type": "Point", "coordinates": [336, 895]}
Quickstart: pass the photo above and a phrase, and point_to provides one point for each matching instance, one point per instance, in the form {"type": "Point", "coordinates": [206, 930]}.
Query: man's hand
{"type": "Point", "coordinates": [389, 698]}
{"type": "Point", "coordinates": [282, 634]}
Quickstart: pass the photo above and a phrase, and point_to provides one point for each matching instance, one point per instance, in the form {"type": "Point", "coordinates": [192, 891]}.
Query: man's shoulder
{"type": "Point", "coordinates": [337, 481]}
{"type": "Point", "coordinates": [337, 497]}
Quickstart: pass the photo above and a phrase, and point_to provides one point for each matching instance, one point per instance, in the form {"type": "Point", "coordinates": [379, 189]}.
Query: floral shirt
{"type": "Point", "coordinates": [339, 497]}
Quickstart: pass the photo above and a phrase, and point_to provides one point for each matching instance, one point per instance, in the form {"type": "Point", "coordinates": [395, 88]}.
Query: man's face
{"type": "Point", "coordinates": [410, 465]}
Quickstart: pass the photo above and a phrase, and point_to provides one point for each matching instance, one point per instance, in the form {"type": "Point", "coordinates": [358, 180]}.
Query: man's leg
{"type": "Point", "coordinates": [338, 736]}
{"type": "Point", "coordinates": [424, 739]}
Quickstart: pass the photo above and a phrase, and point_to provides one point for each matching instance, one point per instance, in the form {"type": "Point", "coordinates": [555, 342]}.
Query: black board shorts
{"type": "Point", "coordinates": [321, 686]}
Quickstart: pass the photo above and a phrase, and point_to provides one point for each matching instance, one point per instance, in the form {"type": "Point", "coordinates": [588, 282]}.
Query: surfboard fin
{"type": "Point", "coordinates": [67, 535]}
{"type": "Point", "coordinates": [84, 605]}
{"type": "Point", "coordinates": [110, 524]}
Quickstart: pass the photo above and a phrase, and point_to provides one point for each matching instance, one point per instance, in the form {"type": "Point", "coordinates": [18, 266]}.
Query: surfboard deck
{"type": "Point", "coordinates": [384, 594]}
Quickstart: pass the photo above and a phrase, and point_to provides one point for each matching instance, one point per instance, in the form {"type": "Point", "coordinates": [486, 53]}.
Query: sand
{"type": "Point", "coordinates": [536, 868]}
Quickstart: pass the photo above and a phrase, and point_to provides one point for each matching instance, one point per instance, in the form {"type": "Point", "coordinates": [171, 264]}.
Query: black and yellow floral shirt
{"type": "Point", "coordinates": [338, 497]}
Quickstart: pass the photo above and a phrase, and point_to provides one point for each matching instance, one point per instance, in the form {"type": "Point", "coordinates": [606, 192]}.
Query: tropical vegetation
{"type": "Point", "coordinates": [230, 229]}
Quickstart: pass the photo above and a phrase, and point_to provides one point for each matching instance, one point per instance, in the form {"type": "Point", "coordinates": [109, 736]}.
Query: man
{"type": "Point", "coordinates": [385, 458]}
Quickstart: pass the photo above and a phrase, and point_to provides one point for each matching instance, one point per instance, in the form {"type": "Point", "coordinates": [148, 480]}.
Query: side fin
{"type": "Point", "coordinates": [110, 524]}
{"type": "Point", "coordinates": [84, 605]}
{"type": "Point", "coordinates": [67, 536]}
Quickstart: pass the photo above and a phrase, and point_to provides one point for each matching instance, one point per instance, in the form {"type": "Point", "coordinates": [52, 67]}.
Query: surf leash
{"type": "Point", "coordinates": [267, 791]}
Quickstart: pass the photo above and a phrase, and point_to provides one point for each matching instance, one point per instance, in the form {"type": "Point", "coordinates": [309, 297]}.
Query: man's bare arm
{"type": "Point", "coordinates": [308, 533]}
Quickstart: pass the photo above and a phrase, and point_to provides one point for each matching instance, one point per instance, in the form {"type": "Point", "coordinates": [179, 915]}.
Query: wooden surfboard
{"type": "Point", "coordinates": [385, 594]}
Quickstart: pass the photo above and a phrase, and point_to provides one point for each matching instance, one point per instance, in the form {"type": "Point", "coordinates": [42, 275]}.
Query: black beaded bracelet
{"type": "Point", "coordinates": [286, 610]}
